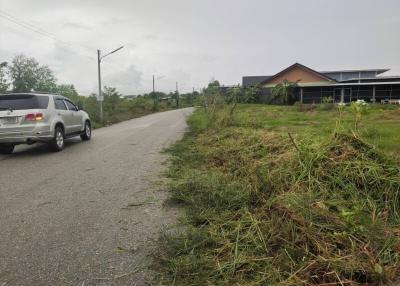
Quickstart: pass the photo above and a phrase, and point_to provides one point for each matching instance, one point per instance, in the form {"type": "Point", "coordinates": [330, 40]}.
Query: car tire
{"type": "Point", "coordinates": [87, 132]}
{"type": "Point", "coordinates": [57, 144]}
{"type": "Point", "coordinates": [6, 149]}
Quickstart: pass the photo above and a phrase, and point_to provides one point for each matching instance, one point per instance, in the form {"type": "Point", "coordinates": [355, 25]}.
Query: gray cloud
{"type": "Point", "coordinates": [192, 41]}
{"type": "Point", "coordinates": [126, 81]}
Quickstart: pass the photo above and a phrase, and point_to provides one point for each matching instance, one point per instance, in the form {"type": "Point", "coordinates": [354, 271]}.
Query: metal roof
{"type": "Point", "coordinates": [302, 67]}
{"type": "Point", "coordinates": [254, 80]}
{"type": "Point", "coordinates": [378, 71]}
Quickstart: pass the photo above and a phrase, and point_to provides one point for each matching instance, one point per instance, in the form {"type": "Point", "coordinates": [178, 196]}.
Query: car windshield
{"type": "Point", "coordinates": [23, 101]}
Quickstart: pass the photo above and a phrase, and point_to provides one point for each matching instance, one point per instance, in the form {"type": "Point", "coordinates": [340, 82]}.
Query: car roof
{"type": "Point", "coordinates": [35, 93]}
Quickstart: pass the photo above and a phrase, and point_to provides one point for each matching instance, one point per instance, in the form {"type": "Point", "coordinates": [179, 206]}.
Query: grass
{"type": "Point", "coordinates": [380, 126]}
{"type": "Point", "coordinates": [263, 209]}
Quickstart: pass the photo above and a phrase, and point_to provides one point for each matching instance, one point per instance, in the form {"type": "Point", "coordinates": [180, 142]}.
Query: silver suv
{"type": "Point", "coordinates": [26, 118]}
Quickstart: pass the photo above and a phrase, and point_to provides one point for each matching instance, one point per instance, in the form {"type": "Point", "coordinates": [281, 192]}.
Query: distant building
{"type": "Point", "coordinates": [340, 85]}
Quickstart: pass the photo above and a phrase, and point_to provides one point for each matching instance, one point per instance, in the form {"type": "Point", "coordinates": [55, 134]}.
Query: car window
{"type": "Point", "coordinates": [70, 105]}
{"type": "Point", "coordinates": [60, 105]}
{"type": "Point", "coordinates": [23, 101]}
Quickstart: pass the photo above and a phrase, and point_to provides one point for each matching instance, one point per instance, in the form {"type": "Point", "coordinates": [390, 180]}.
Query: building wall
{"type": "Point", "coordinates": [296, 74]}
{"type": "Point", "coordinates": [351, 93]}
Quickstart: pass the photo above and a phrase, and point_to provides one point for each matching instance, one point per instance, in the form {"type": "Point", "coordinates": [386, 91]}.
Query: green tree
{"type": "Point", "coordinates": [193, 98]}
{"type": "Point", "coordinates": [27, 75]}
{"type": "Point", "coordinates": [176, 96]}
{"type": "Point", "coordinates": [45, 80]}
{"type": "Point", "coordinates": [23, 73]}
{"type": "Point", "coordinates": [284, 91]}
{"type": "Point", "coordinates": [67, 90]}
{"type": "Point", "coordinates": [251, 94]}
{"type": "Point", "coordinates": [155, 96]}
{"type": "Point", "coordinates": [4, 84]}
{"type": "Point", "coordinates": [212, 97]}
{"type": "Point", "coordinates": [111, 99]}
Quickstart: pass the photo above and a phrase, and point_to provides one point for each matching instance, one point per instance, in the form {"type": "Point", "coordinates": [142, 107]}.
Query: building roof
{"type": "Point", "coordinates": [378, 71]}
{"type": "Point", "coordinates": [374, 79]}
{"type": "Point", "coordinates": [254, 80]}
{"type": "Point", "coordinates": [302, 67]}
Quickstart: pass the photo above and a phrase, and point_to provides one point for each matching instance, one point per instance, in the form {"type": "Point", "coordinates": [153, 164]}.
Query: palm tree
{"type": "Point", "coordinates": [284, 90]}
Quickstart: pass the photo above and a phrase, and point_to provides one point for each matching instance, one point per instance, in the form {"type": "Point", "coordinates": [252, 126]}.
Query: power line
{"type": "Point", "coordinates": [52, 36]}
{"type": "Point", "coordinates": [38, 30]}
{"type": "Point", "coordinates": [25, 24]}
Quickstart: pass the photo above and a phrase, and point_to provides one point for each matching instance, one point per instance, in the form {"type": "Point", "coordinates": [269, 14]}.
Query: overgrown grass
{"type": "Point", "coordinates": [380, 126]}
{"type": "Point", "coordinates": [263, 209]}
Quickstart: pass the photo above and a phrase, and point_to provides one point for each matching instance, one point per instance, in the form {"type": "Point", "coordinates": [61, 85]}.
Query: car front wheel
{"type": "Point", "coordinates": [87, 132]}
{"type": "Point", "coordinates": [57, 144]}
{"type": "Point", "coordinates": [6, 149]}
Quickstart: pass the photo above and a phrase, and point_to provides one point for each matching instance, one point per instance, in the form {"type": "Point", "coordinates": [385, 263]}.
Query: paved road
{"type": "Point", "coordinates": [65, 217]}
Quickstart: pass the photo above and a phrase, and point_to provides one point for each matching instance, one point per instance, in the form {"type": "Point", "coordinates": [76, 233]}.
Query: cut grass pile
{"type": "Point", "coordinates": [263, 209]}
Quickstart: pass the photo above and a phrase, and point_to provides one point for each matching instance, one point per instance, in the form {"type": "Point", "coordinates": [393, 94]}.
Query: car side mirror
{"type": "Point", "coordinates": [80, 107]}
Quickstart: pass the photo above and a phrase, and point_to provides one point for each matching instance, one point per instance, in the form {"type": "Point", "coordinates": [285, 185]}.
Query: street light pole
{"type": "Point", "coordinates": [100, 98]}
{"type": "Point", "coordinates": [177, 95]}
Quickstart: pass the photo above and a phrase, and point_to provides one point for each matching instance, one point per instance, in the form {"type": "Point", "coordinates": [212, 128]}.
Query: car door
{"type": "Point", "coordinates": [65, 114]}
{"type": "Point", "coordinates": [76, 116]}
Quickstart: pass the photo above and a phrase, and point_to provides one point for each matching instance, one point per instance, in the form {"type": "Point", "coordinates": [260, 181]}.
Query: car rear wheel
{"type": "Point", "coordinates": [57, 144]}
{"type": "Point", "coordinates": [6, 149]}
{"type": "Point", "coordinates": [87, 132]}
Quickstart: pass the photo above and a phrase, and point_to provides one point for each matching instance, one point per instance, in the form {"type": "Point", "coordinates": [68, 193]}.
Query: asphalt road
{"type": "Point", "coordinates": [88, 215]}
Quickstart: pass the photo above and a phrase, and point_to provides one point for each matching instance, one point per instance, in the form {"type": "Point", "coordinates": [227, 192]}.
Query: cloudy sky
{"type": "Point", "coordinates": [193, 41]}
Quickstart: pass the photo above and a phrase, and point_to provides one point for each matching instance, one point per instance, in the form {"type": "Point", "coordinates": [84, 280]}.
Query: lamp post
{"type": "Point", "coordinates": [99, 58]}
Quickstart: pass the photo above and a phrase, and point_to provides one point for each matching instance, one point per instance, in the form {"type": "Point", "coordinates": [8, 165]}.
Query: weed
{"type": "Point", "coordinates": [264, 208]}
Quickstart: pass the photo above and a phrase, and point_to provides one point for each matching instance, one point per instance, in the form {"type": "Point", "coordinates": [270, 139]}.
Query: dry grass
{"type": "Point", "coordinates": [265, 210]}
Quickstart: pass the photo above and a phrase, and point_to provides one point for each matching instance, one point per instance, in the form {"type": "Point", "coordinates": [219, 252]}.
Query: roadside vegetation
{"type": "Point", "coordinates": [285, 195]}
{"type": "Point", "coordinates": [24, 74]}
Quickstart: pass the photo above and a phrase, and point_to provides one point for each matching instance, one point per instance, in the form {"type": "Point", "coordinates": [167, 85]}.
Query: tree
{"type": "Point", "coordinates": [177, 98]}
{"type": "Point", "coordinates": [251, 94]}
{"type": "Point", "coordinates": [284, 91]}
{"type": "Point", "coordinates": [156, 98]}
{"type": "Point", "coordinates": [192, 98]}
{"type": "Point", "coordinates": [4, 84]}
{"type": "Point", "coordinates": [67, 90]}
{"type": "Point", "coordinates": [22, 73]}
{"type": "Point", "coordinates": [212, 97]}
{"type": "Point", "coordinates": [45, 80]}
{"type": "Point", "coordinates": [111, 98]}
{"type": "Point", "coordinates": [27, 75]}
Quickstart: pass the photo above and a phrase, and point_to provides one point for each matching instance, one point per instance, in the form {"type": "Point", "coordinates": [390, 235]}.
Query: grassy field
{"type": "Point", "coordinates": [317, 207]}
{"type": "Point", "coordinates": [380, 126]}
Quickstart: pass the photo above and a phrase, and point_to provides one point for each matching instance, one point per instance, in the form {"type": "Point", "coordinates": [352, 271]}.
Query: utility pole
{"type": "Point", "coordinates": [177, 95]}
{"type": "Point", "coordinates": [154, 97]}
{"type": "Point", "coordinates": [191, 97]}
{"type": "Point", "coordinates": [100, 98]}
